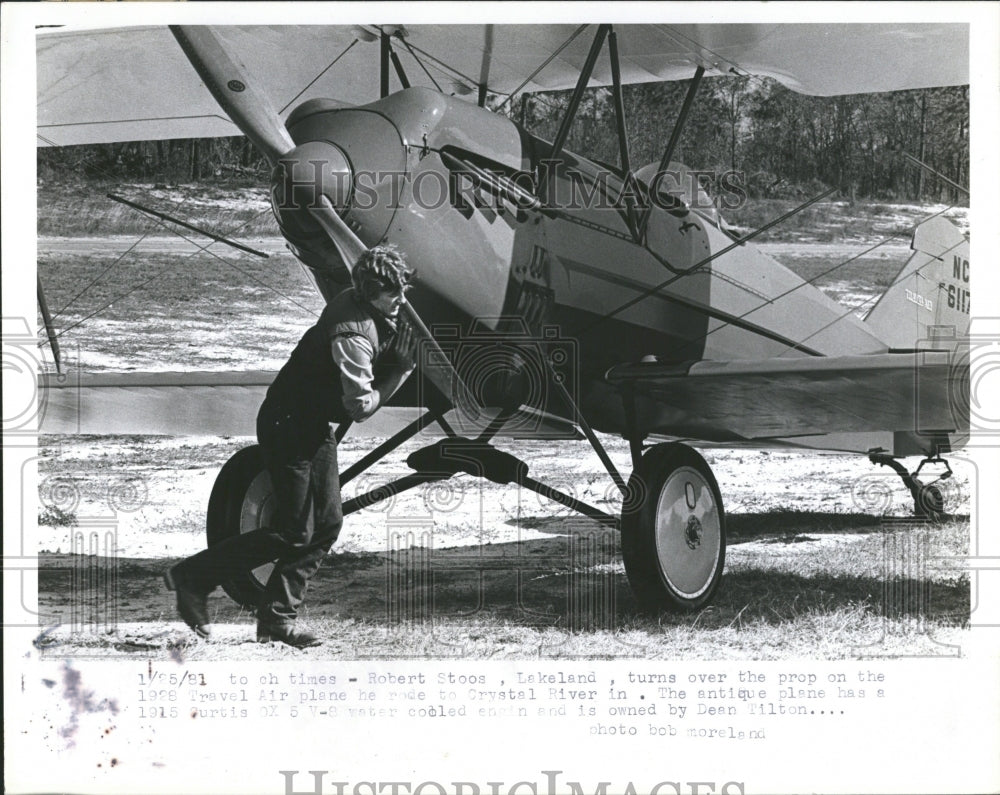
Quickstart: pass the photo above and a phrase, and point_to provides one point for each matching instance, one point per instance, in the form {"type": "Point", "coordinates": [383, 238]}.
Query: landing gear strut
{"type": "Point", "coordinates": [673, 523]}
{"type": "Point", "coordinates": [928, 501]}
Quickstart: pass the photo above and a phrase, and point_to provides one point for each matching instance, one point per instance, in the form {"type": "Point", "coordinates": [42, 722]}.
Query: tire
{"type": "Point", "coordinates": [674, 530]}
{"type": "Point", "coordinates": [241, 501]}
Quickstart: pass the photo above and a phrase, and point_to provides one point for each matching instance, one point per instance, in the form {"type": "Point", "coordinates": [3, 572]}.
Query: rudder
{"type": "Point", "coordinates": [928, 304]}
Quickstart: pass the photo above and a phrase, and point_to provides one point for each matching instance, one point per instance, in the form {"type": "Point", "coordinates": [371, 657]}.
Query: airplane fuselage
{"type": "Point", "coordinates": [505, 242]}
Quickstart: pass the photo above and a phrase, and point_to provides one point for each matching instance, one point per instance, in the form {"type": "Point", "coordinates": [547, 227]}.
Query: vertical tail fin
{"type": "Point", "coordinates": [930, 295]}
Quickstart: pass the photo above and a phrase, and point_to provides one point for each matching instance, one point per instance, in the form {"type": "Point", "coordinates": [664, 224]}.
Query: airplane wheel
{"type": "Point", "coordinates": [674, 540]}
{"type": "Point", "coordinates": [241, 501]}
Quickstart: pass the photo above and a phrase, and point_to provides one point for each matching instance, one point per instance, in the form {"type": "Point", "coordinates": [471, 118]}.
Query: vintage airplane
{"type": "Point", "coordinates": [634, 312]}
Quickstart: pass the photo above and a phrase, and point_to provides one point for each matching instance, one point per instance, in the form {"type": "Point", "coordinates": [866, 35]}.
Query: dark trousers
{"type": "Point", "coordinates": [301, 457]}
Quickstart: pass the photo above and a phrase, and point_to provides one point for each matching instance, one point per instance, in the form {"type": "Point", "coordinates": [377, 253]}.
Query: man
{"type": "Point", "coordinates": [328, 379]}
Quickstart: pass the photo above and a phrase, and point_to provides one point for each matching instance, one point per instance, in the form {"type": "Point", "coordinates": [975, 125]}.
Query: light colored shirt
{"type": "Point", "coordinates": [354, 355]}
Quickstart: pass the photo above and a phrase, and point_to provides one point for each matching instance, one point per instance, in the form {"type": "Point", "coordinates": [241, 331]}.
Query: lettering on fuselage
{"type": "Point", "coordinates": [959, 295]}
{"type": "Point", "coordinates": [960, 269]}
{"type": "Point", "coordinates": [535, 299]}
{"type": "Point", "coordinates": [919, 300]}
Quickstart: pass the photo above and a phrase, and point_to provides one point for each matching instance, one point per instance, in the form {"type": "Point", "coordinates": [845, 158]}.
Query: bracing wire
{"type": "Point", "coordinates": [200, 249]}
{"type": "Point", "coordinates": [313, 81]}
{"type": "Point", "coordinates": [80, 163]}
{"type": "Point", "coordinates": [545, 63]}
{"type": "Point", "coordinates": [420, 63]}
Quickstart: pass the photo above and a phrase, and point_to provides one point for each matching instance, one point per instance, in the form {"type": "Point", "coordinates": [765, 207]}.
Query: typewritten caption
{"type": "Point", "coordinates": [666, 701]}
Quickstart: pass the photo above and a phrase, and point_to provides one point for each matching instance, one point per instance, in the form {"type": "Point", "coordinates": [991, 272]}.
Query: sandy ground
{"type": "Point", "coordinates": [155, 491]}
{"type": "Point", "coordinates": [491, 568]}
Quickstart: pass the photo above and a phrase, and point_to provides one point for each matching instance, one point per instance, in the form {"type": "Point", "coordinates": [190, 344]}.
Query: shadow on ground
{"type": "Point", "coordinates": [574, 580]}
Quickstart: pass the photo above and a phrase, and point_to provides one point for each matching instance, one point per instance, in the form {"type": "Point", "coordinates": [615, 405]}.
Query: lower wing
{"type": "Point", "coordinates": [190, 403]}
{"type": "Point", "coordinates": [920, 397]}
{"type": "Point", "coordinates": [208, 404]}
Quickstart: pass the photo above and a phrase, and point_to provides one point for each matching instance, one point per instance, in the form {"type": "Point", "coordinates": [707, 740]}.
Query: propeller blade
{"type": "Point", "coordinates": [229, 83]}
{"type": "Point", "coordinates": [348, 244]}
{"type": "Point", "coordinates": [435, 364]}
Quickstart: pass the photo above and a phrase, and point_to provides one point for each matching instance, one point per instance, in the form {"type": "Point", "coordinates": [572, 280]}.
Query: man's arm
{"type": "Point", "coordinates": [363, 393]}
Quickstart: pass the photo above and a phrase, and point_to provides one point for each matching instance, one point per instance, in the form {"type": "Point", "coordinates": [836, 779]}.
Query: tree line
{"type": "Point", "coordinates": [177, 160]}
{"type": "Point", "coordinates": [783, 144]}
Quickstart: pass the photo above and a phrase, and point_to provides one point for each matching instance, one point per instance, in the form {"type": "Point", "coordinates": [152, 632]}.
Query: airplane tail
{"type": "Point", "coordinates": [928, 307]}
{"type": "Point", "coordinates": [928, 304]}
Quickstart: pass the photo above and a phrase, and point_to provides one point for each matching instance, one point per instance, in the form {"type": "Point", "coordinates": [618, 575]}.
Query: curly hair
{"type": "Point", "coordinates": [382, 268]}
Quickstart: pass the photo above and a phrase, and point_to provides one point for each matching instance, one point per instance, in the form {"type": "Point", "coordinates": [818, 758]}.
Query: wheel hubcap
{"type": "Point", "coordinates": [688, 532]}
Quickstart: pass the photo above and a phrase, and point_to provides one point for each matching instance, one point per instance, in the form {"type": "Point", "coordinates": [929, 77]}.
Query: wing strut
{"type": "Point", "coordinates": [675, 136]}
{"type": "Point", "coordinates": [544, 63]}
{"type": "Point", "coordinates": [400, 73]}
{"type": "Point", "coordinates": [49, 328]}
{"type": "Point", "coordinates": [626, 162]}
{"type": "Point", "coordinates": [574, 102]}
{"type": "Point", "coordinates": [484, 67]}
{"type": "Point", "coordinates": [383, 69]}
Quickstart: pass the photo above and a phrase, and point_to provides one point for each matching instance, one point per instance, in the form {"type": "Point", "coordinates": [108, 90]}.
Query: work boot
{"type": "Point", "coordinates": [191, 604]}
{"type": "Point", "coordinates": [286, 632]}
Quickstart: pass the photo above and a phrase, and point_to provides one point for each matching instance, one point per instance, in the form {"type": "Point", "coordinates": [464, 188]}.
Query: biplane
{"type": "Point", "coordinates": [583, 296]}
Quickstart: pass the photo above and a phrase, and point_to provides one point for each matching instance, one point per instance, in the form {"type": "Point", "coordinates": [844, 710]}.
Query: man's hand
{"type": "Point", "coordinates": [406, 344]}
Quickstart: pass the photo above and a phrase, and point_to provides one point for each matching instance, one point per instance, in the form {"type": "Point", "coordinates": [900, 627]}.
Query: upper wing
{"type": "Point", "coordinates": [923, 393]}
{"type": "Point", "coordinates": [135, 83]}
{"type": "Point", "coordinates": [822, 59]}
